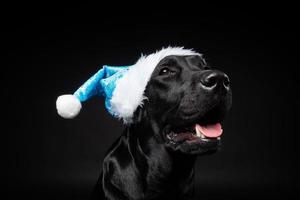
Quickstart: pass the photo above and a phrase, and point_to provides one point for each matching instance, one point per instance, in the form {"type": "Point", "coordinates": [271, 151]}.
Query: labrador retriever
{"type": "Point", "coordinates": [181, 119]}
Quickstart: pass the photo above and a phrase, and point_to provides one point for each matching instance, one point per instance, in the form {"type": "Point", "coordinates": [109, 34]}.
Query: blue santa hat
{"type": "Point", "coordinates": [122, 87]}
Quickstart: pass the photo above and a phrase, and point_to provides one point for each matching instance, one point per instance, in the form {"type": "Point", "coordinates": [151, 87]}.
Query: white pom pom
{"type": "Point", "coordinates": [68, 106]}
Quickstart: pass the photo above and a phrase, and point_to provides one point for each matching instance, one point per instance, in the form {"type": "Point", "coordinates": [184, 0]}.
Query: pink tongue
{"type": "Point", "coordinates": [211, 131]}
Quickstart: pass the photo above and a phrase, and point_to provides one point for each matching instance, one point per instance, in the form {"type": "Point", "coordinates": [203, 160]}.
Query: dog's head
{"type": "Point", "coordinates": [187, 100]}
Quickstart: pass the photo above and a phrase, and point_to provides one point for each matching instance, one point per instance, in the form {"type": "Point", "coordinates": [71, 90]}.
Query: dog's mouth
{"type": "Point", "coordinates": [197, 131]}
{"type": "Point", "coordinates": [196, 138]}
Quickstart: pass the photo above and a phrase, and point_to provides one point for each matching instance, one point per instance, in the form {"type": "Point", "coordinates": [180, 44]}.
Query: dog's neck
{"type": "Point", "coordinates": [156, 163]}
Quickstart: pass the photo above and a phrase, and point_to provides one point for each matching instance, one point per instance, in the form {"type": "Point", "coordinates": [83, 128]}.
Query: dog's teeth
{"type": "Point", "coordinates": [202, 136]}
{"type": "Point", "coordinates": [218, 138]}
{"type": "Point", "coordinates": [199, 134]}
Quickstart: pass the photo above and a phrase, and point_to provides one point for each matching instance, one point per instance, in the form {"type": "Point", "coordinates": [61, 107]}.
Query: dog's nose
{"type": "Point", "coordinates": [214, 78]}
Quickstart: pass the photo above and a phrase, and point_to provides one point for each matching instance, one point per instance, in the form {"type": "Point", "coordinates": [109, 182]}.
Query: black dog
{"type": "Point", "coordinates": [155, 155]}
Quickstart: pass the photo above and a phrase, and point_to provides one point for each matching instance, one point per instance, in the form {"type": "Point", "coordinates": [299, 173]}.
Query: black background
{"type": "Point", "coordinates": [49, 52]}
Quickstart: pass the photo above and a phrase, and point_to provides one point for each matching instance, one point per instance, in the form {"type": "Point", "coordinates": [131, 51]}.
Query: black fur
{"type": "Point", "coordinates": [143, 163]}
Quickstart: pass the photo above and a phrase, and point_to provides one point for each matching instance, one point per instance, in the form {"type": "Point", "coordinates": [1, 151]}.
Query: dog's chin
{"type": "Point", "coordinates": [194, 139]}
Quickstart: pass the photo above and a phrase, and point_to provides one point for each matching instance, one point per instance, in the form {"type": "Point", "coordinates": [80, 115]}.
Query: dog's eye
{"type": "Point", "coordinates": [166, 71]}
